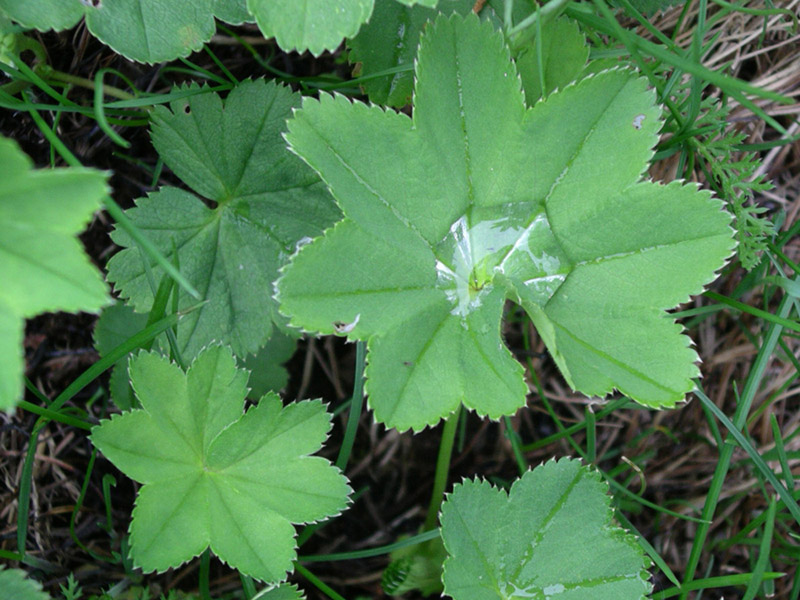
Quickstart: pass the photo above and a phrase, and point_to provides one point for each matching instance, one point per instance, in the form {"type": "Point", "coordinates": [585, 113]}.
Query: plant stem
{"type": "Point", "coordinates": [54, 415]}
{"type": "Point", "coordinates": [108, 90]}
{"type": "Point", "coordinates": [318, 583]}
{"type": "Point", "coordinates": [516, 446]}
{"type": "Point", "coordinates": [356, 405]}
{"type": "Point", "coordinates": [24, 497]}
{"type": "Point", "coordinates": [248, 586]}
{"type": "Point", "coordinates": [442, 469]}
{"type": "Point", "coordinates": [547, 12]}
{"type": "Point", "coordinates": [420, 538]}
{"type": "Point", "coordinates": [205, 563]}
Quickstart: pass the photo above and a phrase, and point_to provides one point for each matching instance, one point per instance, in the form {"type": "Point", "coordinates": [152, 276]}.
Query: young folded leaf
{"type": "Point", "coordinates": [214, 477]}
{"type": "Point", "coordinates": [550, 536]}
{"type": "Point", "coordinates": [266, 199]}
{"type": "Point", "coordinates": [477, 199]}
{"type": "Point", "coordinates": [42, 264]}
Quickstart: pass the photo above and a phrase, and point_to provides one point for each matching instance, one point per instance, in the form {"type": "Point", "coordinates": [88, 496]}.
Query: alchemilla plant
{"type": "Point", "coordinates": [476, 200]}
{"type": "Point", "coordinates": [493, 173]}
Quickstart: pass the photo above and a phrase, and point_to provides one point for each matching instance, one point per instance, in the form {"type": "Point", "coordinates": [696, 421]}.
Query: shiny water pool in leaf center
{"type": "Point", "coordinates": [482, 248]}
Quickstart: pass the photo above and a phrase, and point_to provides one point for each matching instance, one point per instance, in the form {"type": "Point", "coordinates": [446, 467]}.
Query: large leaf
{"type": "Point", "coordinates": [267, 201]}
{"type": "Point", "coordinates": [390, 40]}
{"type": "Point", "coordinates": [551, 536]}
{"type": "Point", "coordinates": [42, 264]}
{"type": "Point", "coordinates": [478, 199]}
{"type": "Point", "coordinates": [144, 30]}
{"type": "Point", "coordinates": [214, 477]}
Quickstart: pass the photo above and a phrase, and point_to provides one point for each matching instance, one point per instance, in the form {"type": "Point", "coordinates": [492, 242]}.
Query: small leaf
{"type": "Point", "coordinates": [214, 477]}
{"type": "Point", "coordinates": [478, 199]}
{"type": "Point", "coordinates": [282, 592]}
{"type": "Point", "coordinates": [267, 201]}
{"type": "Point", "coordinates": [232, 11]}
{"type": "Point", "coordinates": [15, 585]}
{"type": "Point", "coordinates": [42, 264]}
{"type": "Point", "coordinates": [267, 372]}
{"type": "Point", "coordinates": [563, 57]}
{"type": "Point", "coordinates": [117, 324]}
{"type": "Point", "coordinates": [313, 25]}
{"type": "Point", "coordinates": [390, 40]}
{"type": "Point", "coordinates": [552, 534]}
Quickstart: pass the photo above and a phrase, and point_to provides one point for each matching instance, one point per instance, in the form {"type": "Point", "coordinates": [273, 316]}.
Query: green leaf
{"type": "Point", "coordinates": [478, 199]}
{"type": "Point", "coordinates": [44, 14]}
{"type": "Point", "coordinates": [152, 31]}
{"type": "Point", "coordinates": [14, 584]}
{"type": "Point", "coordinates": [214, 477]}
{"type": "Point", "coordinates": [117, 324]}
{"type": "Point", "coordinates": [390, 40]}
{"type": "Point", "coordinates": [232, 11]}
{"type": "Point", "coordinates": [267, 201]}
{"type": "Point", "coordinates": [267, 372]}
{"type": "Point", "coordinates": [416, 567]}
{"type": "Point", "coordinates": [42, 264]}
{"type": "Point", "coordinates": [313, 25]}
{"type": "Point", "coordinates": [552, 534]}
{"type": "Point", "coordinates": [563, 56]}
{"type": "Point", "coordinates": [283, 592]}
{"type": "Point", "coordinates": [148, 31]}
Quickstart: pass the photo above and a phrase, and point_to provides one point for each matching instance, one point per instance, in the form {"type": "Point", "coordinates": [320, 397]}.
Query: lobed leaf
{"type": "Point", "coordinates": [551, 535]}
{"type": "Point", "coordinates": [266, 202]}
{"type": "Point", "coordinates": [477, 199]}
{"type": "Point", "coordinates": [42, 264]}
{"type": "Point", "coordinates": [214, 477]}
